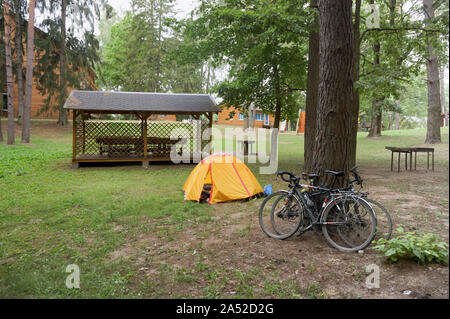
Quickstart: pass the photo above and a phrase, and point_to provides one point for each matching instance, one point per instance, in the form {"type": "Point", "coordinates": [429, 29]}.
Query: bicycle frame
{"type": "Point", "coordinates": [333, 195]}
{"type": "Point", "coordinates": [316, 220]}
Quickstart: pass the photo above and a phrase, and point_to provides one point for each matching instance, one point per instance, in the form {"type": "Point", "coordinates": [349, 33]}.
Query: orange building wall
{"type": "Point", "coordinates": [37, 102]}
{"type": "Point", "coordinates": [225, 113]}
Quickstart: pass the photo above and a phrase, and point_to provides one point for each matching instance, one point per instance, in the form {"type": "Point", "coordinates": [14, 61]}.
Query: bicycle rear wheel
{"type": "Point", "coordinates": [384, 221]}
{"type": "Point", "coordinates": [350, 223]}
{"type": "Point", "coordinates": [280, 215]}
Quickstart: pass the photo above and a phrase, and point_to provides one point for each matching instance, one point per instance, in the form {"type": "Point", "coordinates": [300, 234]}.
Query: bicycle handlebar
{"type": "Point", "coordinates": [291, 177]}
{"type": "Point", "coordinates": [357, 179]}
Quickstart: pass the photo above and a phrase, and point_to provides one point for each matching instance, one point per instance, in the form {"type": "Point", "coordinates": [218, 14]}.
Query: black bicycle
{"type": "Point", "coordinates": [348, 222]}
{"type": "Point", "coordinates": [384, 220]}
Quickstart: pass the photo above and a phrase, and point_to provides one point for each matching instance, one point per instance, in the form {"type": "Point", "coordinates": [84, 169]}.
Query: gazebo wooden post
{"type": "Point", "coordinates": [83, 122]}
{"type": "Point", "coordinates": [74, 139]}
{"type": "Point", "coordinates": [210, 118]}
{"type": "Point", "coordinates": [196, 138]}
{"type": "Point", "coordinates": [144, 133]}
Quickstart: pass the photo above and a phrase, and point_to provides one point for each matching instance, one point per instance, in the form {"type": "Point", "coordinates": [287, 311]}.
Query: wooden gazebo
{"type": "Point", "coordinates": [141, 139]}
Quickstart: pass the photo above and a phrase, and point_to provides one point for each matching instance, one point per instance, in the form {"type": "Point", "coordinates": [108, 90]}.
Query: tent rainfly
{"type": "Point", "coordinates": [138, 140]}
{"type": "Point", "coordinates": [230, 179]}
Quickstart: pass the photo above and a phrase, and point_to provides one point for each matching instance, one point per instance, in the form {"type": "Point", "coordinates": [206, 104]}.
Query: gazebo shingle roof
{"type": "Point", "coordinates": [141, 102]}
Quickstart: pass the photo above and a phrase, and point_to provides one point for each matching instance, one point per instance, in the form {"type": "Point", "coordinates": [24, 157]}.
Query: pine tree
{"type": "Point", "coordinates": [65, 57]}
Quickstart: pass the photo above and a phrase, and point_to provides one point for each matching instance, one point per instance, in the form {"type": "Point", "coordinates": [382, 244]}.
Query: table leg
{"type": "Point", "coordinates": [392, 161]}
{"type": "Point", "coordinates": [410, 161]}
{"type": "Point", "coordinates": [428, 160]}
{"type": "Point", "coordinates": [432, 159]}
{"type": "Point", "coordinates": [415, 161]}
{"type": "Point", "coordinates": [406, 161]}
{"type": "Point", "coordinates": [398, 164]}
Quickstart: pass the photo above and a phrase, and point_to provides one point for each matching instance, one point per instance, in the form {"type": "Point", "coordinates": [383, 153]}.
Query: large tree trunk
{"type": "Point", "coordinates": [312, 96]}
{"type": "Point", "coordinates": [335, 108]}
{"type": "Point", "coordinates": [62, 120]}
{"type": "Point", "coordinates": [442, 87]}
{"type": "Point", "coordinates": [29, 75]}
{"type": "Point", "coordinates": [434, 99]}
{"type": "Point", "coordinates": [19, 64]}
{"type": "Point", "coordinates": [9, 75]}
{"type": "Point", "coordinates": [356, 60]}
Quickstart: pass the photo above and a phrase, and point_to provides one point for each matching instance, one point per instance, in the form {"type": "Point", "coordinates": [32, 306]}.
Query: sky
{"type": "Point", "coordinates": [182, 7]}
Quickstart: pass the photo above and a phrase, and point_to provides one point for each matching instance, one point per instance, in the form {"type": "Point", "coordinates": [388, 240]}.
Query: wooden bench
{"type": "Point", "coordinates": [156, 146]}
{"type": "Point", "coordinates": [118, 145]}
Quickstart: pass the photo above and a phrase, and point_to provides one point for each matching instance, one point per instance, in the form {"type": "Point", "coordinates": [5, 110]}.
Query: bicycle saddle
{"type": "Point", "coordinates": [334, 173]}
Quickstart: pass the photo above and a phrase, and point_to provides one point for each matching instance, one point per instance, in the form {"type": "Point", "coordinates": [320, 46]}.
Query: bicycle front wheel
{"type": "Point", "coordinates": [280, 215]}
{"type": "Point", "coordinates": [349, 223]}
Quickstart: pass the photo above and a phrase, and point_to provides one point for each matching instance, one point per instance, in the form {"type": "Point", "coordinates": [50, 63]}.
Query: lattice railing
{"type": "Point", "coordinates": [110, 138]}
{"type": "Point", "coordinates": [124, 139]}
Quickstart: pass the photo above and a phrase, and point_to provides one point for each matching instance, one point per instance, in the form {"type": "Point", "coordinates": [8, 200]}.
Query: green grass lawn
{"type": "Point", "coordinates": [52, 216]}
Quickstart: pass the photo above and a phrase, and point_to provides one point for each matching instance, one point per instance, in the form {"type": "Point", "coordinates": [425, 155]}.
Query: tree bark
{"type": "Point", "coordinates": [29, 74]}
{"type": "Point", "coordinates": [442, 87]}
{"type": "Point", "coordinates": [312, 96]}
{"type": "Point", "coordinates": [19, 64]}
{"type": "Point", "coordinates": [62, 120]}
{"type": "Point", "coordinates": [434, 99]}
{"type": "Point", "coordinates": [335, 107]}
{"type": "Point", "coordinates": [9, 75]}
{"type": "Point", "coordinates": [356, 60]}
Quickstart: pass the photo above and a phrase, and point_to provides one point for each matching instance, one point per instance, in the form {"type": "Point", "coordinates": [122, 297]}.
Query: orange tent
{"type": "Point", "coordinates": [230, 179]}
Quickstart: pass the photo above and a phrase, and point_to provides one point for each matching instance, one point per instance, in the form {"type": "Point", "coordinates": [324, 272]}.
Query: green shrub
{"type": "Point", "coordinates": [421, 247]}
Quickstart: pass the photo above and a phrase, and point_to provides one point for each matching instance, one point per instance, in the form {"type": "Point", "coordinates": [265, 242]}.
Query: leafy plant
{"type": "Point", "coordinates": [419, 246]}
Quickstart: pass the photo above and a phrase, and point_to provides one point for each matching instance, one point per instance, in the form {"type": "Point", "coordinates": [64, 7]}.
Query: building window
{"type": "Point", "coordinates": [241, 116]}
{"type": "Point", "coordinates": [259, 117]}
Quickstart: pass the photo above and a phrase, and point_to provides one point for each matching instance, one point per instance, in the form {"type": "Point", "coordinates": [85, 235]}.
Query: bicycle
{"type": "Point", "coordinates": [347, 221]}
